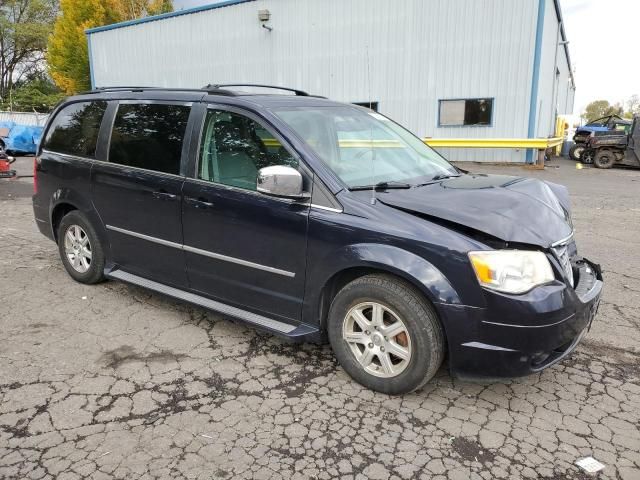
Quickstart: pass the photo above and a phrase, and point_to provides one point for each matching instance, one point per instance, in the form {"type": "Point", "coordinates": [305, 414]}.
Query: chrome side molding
{"type": "Point", "coordinates": [205, 253]}
{"type": "Point", "coordinates": [142, 236]}
{"type": "Point", "coordinates": [239, 261]}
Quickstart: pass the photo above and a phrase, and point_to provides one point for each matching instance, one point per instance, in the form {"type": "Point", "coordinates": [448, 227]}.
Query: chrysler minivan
{"type": "Point", "coordinates": [316, 220]}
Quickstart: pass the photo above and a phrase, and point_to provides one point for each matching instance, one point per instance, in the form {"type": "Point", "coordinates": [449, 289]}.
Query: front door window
{"type": "Point", "coordinates": [235, 147]}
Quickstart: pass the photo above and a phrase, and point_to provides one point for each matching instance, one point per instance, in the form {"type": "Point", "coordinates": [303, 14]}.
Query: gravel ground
{"type": "Point", "coordinates": [114, 381]}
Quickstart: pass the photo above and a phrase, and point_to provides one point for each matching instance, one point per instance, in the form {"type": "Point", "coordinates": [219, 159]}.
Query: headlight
{"type": "Point", "coordinates": [511, 271]}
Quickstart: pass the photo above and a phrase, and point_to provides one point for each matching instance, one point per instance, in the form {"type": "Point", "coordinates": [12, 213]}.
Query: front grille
{"type": "Point", "coordinates": [563, 254]}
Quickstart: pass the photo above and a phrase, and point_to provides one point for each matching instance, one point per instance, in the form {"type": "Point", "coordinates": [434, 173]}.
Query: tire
{"type": "Point", "coordinates": [575, 152]}
{"type": "Point", "coordinates": [422, 337]}
{"type": "Point", "coordinates": [587, 156]}
{"type": "Point", "coordinates": [74, 228]}
{"type": "Point", "coordinates": [604, 158]}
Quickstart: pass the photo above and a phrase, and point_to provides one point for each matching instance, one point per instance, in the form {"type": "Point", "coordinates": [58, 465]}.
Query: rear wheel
{"type": "Point", "coordinates": [80, 249]}
{"type": "Point", "coordinates": [575, 152]}
{"type": "Point", "coordinates": [385, 334]}
{"type": "Point", "coordinates": [604, 158]}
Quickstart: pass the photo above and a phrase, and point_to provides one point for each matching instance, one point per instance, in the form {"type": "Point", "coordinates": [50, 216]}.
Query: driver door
{"type": "Point", "coordinates": [243, 248]}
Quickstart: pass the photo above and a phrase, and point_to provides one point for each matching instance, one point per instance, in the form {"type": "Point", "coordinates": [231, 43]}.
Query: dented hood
{"type": "Point", "coordinates": [513, 209]}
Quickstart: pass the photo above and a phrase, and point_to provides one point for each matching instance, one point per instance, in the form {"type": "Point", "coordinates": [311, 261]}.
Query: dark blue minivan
{"type": "Point", "coordinates": [316, 220]}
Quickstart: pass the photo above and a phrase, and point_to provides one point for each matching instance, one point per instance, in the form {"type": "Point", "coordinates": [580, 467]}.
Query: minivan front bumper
{"type": "Point", "coordinates": [515, 335]}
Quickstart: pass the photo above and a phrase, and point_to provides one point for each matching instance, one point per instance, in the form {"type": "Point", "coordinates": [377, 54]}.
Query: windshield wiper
{"type": "Point", "coordinates": [443, 176]}
{"type": "Point", "coordinates": [382, 186]}
{"type": "Point", "coordinates": [440, 176]}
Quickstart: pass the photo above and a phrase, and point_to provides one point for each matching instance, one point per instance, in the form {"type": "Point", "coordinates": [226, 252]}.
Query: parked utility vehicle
{"type": "Point", "coordinates": [610, 125]}
{"type": "Point", "coordinates": [607, 151]}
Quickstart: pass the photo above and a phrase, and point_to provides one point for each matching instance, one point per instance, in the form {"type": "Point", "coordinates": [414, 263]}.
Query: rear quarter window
{"type": "Point", "coordinates": [75, 128]}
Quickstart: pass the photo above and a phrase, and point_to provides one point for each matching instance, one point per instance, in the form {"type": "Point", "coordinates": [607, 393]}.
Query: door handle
{"type": "Point", "coordinates": [162, 195]}
{"type": "Point", "coordinates": [199, 202]}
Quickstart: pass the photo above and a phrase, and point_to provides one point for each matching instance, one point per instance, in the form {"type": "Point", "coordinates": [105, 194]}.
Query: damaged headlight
{"type": "Point", "coordinates": [511, 271]}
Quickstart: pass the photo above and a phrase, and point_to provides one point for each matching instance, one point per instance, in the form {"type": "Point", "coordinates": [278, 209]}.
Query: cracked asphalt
{"type": "Point", "coordinates": [112, 381]}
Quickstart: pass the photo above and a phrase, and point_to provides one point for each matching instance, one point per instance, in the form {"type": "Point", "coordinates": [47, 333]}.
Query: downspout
{"type": "Point", "coordinates": [556, 79]}
{"type": "Point", "coordinates": [533, 100]}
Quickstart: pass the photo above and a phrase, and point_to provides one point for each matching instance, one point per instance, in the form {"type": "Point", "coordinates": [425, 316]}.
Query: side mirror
{"type": "Point", "coordinates": [281, 181]}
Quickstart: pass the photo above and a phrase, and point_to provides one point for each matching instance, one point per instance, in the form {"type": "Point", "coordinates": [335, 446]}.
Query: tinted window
{"type": "Point", "coordinates": [475, 111]}
{"type": "Point", "coordinates": [235, 147]}
{"type": "Point", "coordinates": [149, 136]}
{"type": "Point", "coordinates": [75, 129]}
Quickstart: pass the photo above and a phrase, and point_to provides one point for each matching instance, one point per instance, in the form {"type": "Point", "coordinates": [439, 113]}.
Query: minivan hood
{"type": "Point", "coordinates": [512, 209]}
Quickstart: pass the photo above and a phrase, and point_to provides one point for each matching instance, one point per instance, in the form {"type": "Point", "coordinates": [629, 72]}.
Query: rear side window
{"type": "Point", "coordinates": [149, 136]}
{"type": "Point", "coordinates": [74, 130]}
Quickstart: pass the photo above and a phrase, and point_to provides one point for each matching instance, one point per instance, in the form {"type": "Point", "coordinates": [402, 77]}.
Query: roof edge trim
{"type": "Point", "coordinates": [153, 18]}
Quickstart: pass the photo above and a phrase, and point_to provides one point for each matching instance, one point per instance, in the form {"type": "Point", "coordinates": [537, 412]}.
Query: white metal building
{"type": "Point", "coordinates": [443, 68]}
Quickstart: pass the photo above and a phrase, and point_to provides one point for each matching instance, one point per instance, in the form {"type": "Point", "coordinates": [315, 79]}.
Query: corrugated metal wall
{"type": "Point", "coordinates": [24, 118]}
{"type": "Point", "coordinates": [417, 52]}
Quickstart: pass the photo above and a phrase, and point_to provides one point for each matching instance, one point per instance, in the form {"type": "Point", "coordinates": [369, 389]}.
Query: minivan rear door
{"type": "Point", "coordinates": [137, 193]}
{"type": "Point", "coordinates": [242, 247]}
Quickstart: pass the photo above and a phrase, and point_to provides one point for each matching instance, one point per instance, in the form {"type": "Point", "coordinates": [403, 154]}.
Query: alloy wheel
{"type": "Point", "coordinates": [77, 248]}
{"type": "Point", "coordinates": [378, 339]}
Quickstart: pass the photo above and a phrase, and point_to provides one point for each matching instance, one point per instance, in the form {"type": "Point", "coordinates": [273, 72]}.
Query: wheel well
{"type": "Point", "coordinates": [342, 278]}
{"type": "Point", "coordinates": [58, 214]}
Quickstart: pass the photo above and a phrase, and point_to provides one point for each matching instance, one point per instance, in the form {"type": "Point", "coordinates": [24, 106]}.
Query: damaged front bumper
{"type": "Point", "coordinates": [515, 335]}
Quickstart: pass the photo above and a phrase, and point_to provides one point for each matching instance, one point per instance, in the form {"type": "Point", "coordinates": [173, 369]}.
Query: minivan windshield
{"type": "Point", "coordinates": [365, 148]}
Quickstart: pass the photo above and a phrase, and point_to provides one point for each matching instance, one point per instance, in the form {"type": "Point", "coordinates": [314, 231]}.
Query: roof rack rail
{"type": "Point", "coordinates": [124, 87]}
{"type": "Point", "coordinates": [160, 89]}
{"type": "Point", "coordinates": [215, 87]}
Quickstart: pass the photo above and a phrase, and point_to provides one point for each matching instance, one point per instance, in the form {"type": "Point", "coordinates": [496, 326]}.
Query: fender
{"type": "Point", "coordinates": [402, 263]}
{"type": "Point", "coordinates": [69, 196]}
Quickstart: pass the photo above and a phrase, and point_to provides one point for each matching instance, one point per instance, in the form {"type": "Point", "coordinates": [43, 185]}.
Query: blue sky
{"type": "Point", "coordinates": [600, 34]}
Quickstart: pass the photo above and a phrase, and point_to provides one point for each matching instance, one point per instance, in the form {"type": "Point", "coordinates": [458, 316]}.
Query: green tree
{"type": "Point", "coordinates": [67, 54]}
{"type": "Point", "coordinates": [601, 108]}
{"type": "Point", "coordinates": [24, 28]}
{"type": "Point", "coordinates": [34, 93]}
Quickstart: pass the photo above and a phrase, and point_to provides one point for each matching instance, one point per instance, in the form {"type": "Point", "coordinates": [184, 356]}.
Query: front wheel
{"type": "Point", "coordinates": [575, 152]}
{"type": "Point", "coordinates": [385, 334]}
{"type": "Point", "coordinates": [80, 249]}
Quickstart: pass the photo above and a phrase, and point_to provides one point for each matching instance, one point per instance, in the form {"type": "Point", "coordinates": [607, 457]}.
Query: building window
{"type": "Point", "coordinates": [372, 105]}
{"type": "Point", "coordinates": [473, 111]}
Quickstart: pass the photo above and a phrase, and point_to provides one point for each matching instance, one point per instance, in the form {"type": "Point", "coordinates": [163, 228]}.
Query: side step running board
{"type": "Point", "coordinates": [249, 317]}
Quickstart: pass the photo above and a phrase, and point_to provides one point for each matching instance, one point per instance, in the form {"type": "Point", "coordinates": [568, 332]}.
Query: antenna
{"type": "Point", "coordinates": [373, 153]}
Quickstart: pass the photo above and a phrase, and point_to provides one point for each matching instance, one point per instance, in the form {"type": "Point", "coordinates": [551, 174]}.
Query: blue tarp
{"type": "Point", "coordinates": [22, 138]}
